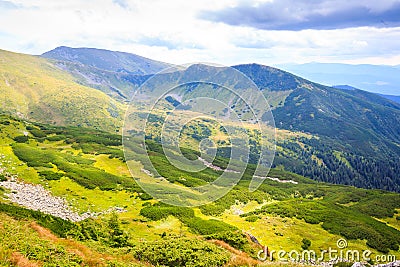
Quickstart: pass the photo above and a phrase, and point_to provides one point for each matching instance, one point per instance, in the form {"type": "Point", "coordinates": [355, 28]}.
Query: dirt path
{"type": "Point", "coordinates": [90, 257]}
{"type": "Point", "coordinates": [239, 258]}
{"type": "Point", "coordinates": [21, 261]}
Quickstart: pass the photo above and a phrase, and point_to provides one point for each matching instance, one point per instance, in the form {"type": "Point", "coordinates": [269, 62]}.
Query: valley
{"type": "Point", "coordinates": [335, 172]}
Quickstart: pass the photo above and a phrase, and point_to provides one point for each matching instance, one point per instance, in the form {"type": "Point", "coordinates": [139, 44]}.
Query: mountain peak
{"type": "Point", "coordinates": [107, 60]}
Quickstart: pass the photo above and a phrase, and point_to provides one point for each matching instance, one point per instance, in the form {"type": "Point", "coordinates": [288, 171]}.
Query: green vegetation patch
{"type": "Point", "coordinates": [57, 225]}
{"type": "Point", "coordinates": [197, 225]}
{"type": "Point", "coordinates": [176, 252]}
{"type": "Point", "coordinates": [337, 219]}
{"type": "Point", "coordinates": [77, 168]}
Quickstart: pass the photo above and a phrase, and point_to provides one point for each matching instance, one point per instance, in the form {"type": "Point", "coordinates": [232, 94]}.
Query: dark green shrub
{"type": "Point", "coordinates": [50, 175]}
{"type": "Point", "coordinates": [117, 237]}
{"type": "Point", "coordinates": [178, 252]}
{"type": "Point", "coordinates": [207, 227]}
{"type": "Point", "coordinates": [57, 225]}
{"type": "Point", "coordinates": [55, 138]}
{"type": "Point", "coordinates": [185, 215]}
{"type": "Point", "coordinates": [234, 238]}
{"type": "Point", "coordinates": [252, 218]}
{"type": "Point", "coordinates": [161, 211]}
{"type": "Point", "coordinates": [145, 196]}
{"type": "Point", "coordinates": [305, 243]}
{"type": "Point", "coordinates": [37, 133]}
{"type": "Point", "coordinates": [343, 264]}
{"type": "Point", "coordinates": [21, 139]}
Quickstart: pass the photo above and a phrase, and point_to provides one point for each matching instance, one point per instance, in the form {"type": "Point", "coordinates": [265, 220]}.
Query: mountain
{"type": "Point", "coordinates": [323, 110]}
{"type": "Point", "coordinates": [108, 71]}
{"type": "Point", "coordinates": [357, 133]}
{"type": "Point", "coordinates": [34, 88]}
{"type": "Point", "coordinates": [393, 98]}
{"type": "Point", "coordinates": [120, 62]}
{"type": "Point", "coordinates": [354, 135]}
{"type": "Point", "coordinates": [52, 177]}
{"type": "Point", "coordinates": [380, 79]}
{"type": "Point", "coordinates": [344, 87]}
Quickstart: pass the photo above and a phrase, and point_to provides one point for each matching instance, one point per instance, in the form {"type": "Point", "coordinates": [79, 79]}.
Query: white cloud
{"type": "Point", "coordinates": [171, 31]}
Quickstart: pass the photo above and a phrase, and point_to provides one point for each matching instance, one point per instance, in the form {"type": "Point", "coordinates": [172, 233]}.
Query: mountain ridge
{"type": "Point", "coordinates": [381, 79]}
{"type": "Point", "coordinates": [356, 124]}
{"type": "Point", "coordinates": [115, 61]}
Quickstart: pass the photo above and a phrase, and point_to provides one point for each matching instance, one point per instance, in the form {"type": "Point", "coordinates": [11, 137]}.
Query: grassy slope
{"type": "Point", "coordinates": [34, 88]}
{"type": "Point", "coordinates": [25, 243]}
{"type": "Point", "coordinates": [272, 230]}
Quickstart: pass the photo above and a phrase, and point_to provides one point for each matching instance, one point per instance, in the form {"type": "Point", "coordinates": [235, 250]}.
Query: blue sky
{"type": "Point", "coordinates": [224, 31]}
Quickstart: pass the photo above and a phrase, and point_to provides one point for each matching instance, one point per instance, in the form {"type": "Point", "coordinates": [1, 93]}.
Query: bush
{"type": "Point", "coordinates": [161, 211]}
{"type": "Point", "coordinates": [56, 138]}
{"type": "Point", "coordinates": [252, 218]}
{"type": "Point", "coordinates": [343, 264]}
{"type": "Point", "coordinates": [177, 252]}
{"type": "Point", "coordinates": [235, 239]}
{"type": "Point", "coordinates": [50, 175]}
{"type": "Point", "coordinates": [305, 243]}
{"type": "Point", "coordinates": [21, 139]}
{"type": "Point", "coordinates": [2, 178]}
{"type": "Point", "coordinates": [197, 225]}
{"type": "Point", "coordinates": [77, 168]}
{"type": "Point", "coordinates": [37, 133]}
{"type": "Point", "coordinates": [57, 225]}
{"type": "Point", "coordinates": [117, 238]}
{"type": "Point", "coordinates": [145, 196]}
{"type": "Point", "coordinates": [207, 227]}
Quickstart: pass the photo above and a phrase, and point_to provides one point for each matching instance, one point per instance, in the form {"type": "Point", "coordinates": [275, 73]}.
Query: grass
{"type": "Point", "coordinates": [35, 89]}
{"type": "Point", "coordinates": [24, 243]}
{"type": "Point", "coordinates": [281, 228]}
{"type": "Point", "coordinates": [287, 233]}
{"type": "Point", "coordinates": [17, 236]}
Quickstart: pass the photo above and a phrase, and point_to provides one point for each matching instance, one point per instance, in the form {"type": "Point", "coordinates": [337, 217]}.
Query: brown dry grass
{"type": "Point", "coordinates": [90, 257]}
{"type": "Point", "coordinates": [239, 258]}
{"type": "Point", "coordinates": [21, 261]}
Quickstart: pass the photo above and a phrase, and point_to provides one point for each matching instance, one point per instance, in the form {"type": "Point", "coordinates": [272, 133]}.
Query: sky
{"type": "Point", "coordinates": [226, 32]}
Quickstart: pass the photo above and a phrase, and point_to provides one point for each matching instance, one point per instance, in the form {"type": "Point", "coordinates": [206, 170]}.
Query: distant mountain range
{"type": "Point", "coordinates": [394, 98]}
{"type": "Point", "coordinates": [355, 134]}
{"type": "Point", "coordinates": [381, 79]}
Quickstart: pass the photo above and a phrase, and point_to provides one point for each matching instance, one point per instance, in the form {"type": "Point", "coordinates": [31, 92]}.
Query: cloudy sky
{"type": "Point", "coordinates": [225, 31]}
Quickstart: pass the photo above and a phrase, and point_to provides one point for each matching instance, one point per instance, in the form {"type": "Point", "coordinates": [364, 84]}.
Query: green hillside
{"type": "Point", "coordinates": [86, 168]}
{"type": "Point", "coordinates": [33, 88]}
{"type": "Point", "coordinates": [355, 136]}
{"type": "Point", "coordinates": [65, 137]}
